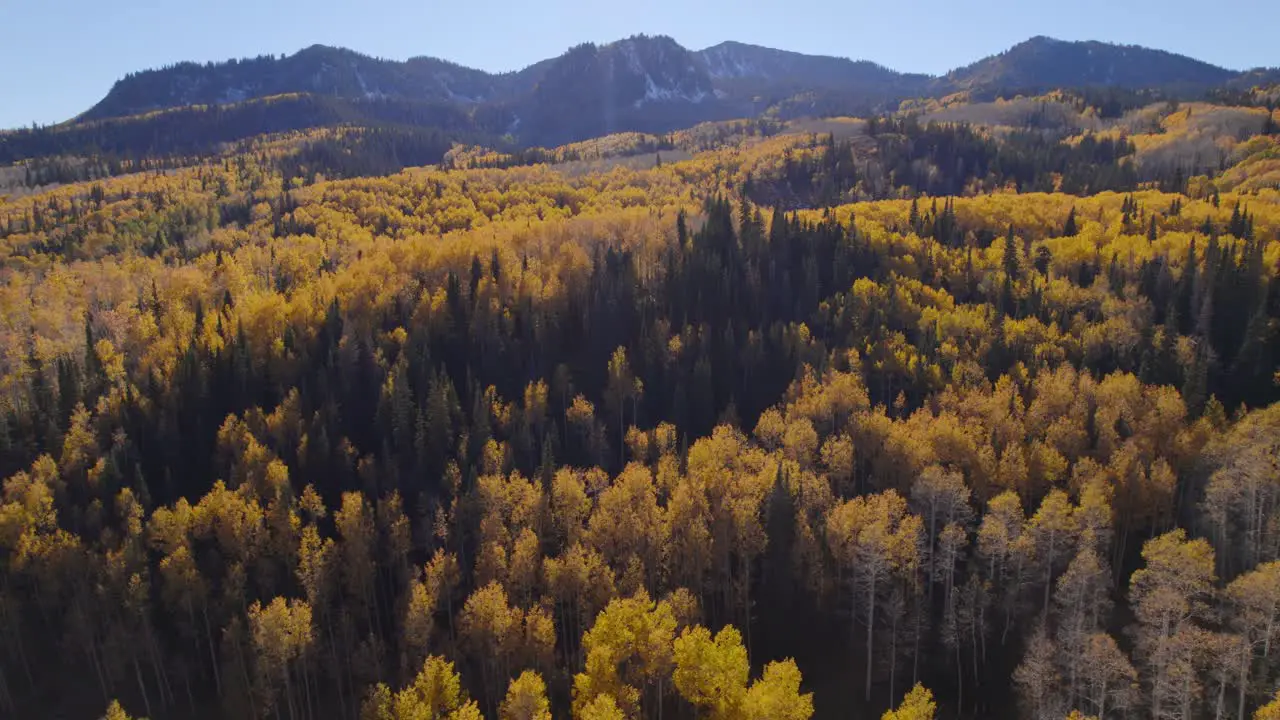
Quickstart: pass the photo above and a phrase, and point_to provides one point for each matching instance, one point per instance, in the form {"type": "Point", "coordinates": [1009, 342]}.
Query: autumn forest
{"type": "Point", "coordinates": [966, 410]}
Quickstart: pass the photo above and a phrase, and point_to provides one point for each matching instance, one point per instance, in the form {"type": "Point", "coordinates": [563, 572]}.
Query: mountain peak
{"type": "Point", "coordinates": [1043, 63]}
{"type": "Point", "coordinates": [1041, 40]}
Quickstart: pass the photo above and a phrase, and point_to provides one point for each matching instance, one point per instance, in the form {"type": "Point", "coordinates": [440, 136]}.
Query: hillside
{"type": "Point", "coordinates": [755, 419]}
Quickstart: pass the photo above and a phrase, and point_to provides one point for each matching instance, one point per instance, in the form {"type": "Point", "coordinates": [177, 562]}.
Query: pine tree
{"type": "Point", "coordinates": [1069, 228]}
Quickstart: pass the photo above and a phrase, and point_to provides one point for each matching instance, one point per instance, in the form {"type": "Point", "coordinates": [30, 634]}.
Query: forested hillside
{"type": "Point", "coordinates": [966, 411]}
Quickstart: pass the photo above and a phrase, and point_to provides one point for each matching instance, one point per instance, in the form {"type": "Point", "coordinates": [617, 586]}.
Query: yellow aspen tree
{"type": "Point", "coordinates": [570, 507]}
{"type": "Point", "coordinates": [282, 637]}
{"type": "Point", "coordinates": [873, 539]}
{"type": "Point", "coordinates": [627, 525]}
{"type": "Point", "coordinates": [918, 704]}
{"type": "Point", "coordinates": [580, 584]}
{"type": "Point", "coordinates": [623, 387]}
{"type": "Point", "coordinates": [776, 694]}
{"type": "Point", "coordinates": [490, 630]}
{"type": "Point", "coordinates": [436, 693]}
{"type": "Point", "coordinates": [1167, 595]}
{"type": "Point", "coordinates": [116, 712]}
{"type": "Point", "coordinates": [416, 625]}
{"type": "Point", "coordinates": [1053, 531]}
{"type": "Point", "coordinates": [688, 547]}
{"type": "Point", "coordinates": [1006, 552]}
{"type": "Point", "coordinates": [526, 699]}
{"type": "Point", "coordinates": [601, 707]}
{"type": "Point", "coordinates": [712, 673]}
{"type": "Point", "coordinates": [442, 576]}
{"type": "Point", "coordinates": [1270, 711]}
{"type": "Point", "coordinates": [628, 653]}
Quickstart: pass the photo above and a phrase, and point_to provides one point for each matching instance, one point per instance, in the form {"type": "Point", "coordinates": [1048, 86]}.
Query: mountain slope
{"type": "Point", "coordinates": [1043, 62]}
{"type": "Point", "coordinates": [641, 83]}
{"type": "Point", "coordinates": [731, 62]}
{"type": "Point", "coordinates": [317, 70]}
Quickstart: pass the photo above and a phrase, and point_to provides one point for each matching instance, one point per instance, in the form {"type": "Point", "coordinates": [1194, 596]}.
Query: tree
{"type": "Point", "coordinates": [626, 528]}
{"type": "Point", "coordinates": [917, 705]}
{"type": "Point", "coordinates": [873, 538]}
{"type": "Point", "coordinates": [777, 694]}
{"type": "Point", "coordinates": [1082, 603]}
{"type": "Point", "coordinates": [282, 637]}
{"type": "Point", "coordinates": [526, 699]}
{"type": "Point", "coordinates": [629, 650]}
{"type": "Point", "coordinates": [116, 712]}
{"type": "Point", "coordinates": [435, 694]}
{"type": "Point", "coordinates": [1006, 552]}
{"type": "Point", "coordinates": [1109, 682]}
{"type": "Point", "coordinates": [940, 498]}
{"type": "Point", "coordinates": [580, 584]}
{"type": "Point", "coordinates": [1254, 612]}
{"type": "Point", "coordinates": [601, 707]}
{"type": "Point", "coordinates": [1052, 530]}
{"type": "Point", "coordinates": [623, 387]}
{"type": "Point", "coordinates": [1242, 500]}
{"type": "Point", "coordinates": [712, 674]}
{"type": "Point", "coordinates": [1167, 595]}
{"type": "Point", "coordinates": [417, 624]}
{"type": "Point", "coordinates": [491, 631]}
{"type": "Point", "coordinates": [1036, 677]}
{"type": "Point", "coordinates": [1270, 711]}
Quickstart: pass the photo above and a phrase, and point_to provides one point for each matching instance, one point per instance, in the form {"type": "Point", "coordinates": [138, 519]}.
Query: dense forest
{"type": "Point", "coordinates": [755, 420]}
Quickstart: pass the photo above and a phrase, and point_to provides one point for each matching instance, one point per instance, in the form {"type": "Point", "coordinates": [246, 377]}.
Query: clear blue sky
{"type": "Point", "coordinates": [58, 57]}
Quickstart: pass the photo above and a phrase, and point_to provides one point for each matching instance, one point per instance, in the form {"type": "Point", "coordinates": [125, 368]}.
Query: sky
{"type": "Point", "coordinates": [59, 57]}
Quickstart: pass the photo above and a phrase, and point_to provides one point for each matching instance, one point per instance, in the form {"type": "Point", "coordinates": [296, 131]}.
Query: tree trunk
{"type": "Point", "coordinates": [1245, 659]}
{"type": "Point", "coordinates": [959, 679]}
{"type": "Point", "coordinates": [142, 686]}
{"type": "Point", "coordinates": [1048, 571]}
{"type": "Point", "coordinates": [746, 601]}
{"type": "Point", "coordinates": [157, 666]}
{"type": "Point", "coordinates": [893, 659]}
{"type": "Point", "coordinates": [288, 692]}
{"type": "Point", "coordinates": [871, 628]}
{"type": "Point", "coordinates": [6, 697]}
{"type": "Point", "coordinates": [213, 656]}
{"type": "Point", "coordinates": [1222, 691]}
{"type": "Point", "coordinates": [244, 672]}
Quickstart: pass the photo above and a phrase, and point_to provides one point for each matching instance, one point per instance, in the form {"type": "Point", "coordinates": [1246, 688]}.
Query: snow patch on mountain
{"type": "Point", "coordinates": [653, 92]}
{"type": "Point", "coordinates": [632, 56]}
{"type": "Point", "coordinates": [723, 62]}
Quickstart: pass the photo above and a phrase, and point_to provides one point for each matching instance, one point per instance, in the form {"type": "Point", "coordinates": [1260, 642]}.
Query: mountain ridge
{"type": "Point", "coordinates": [647, 83]}
{"type": "Point", "coordinates": [437, 78]}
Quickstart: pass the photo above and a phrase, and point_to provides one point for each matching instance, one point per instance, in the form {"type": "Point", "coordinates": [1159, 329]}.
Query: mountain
{"type": "Point", "coordinates": [1046, 63]}
{"type": "Point", "coordinates": [641, 83]}
{"type": "Point", "coordinates": [617, 78]}
{"type": "Point", "coordinates": [317, 70]}
{"type": "Point", "coordinates": [733, 62]}
{"type": "Point", "coordinates": [647, 83]}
